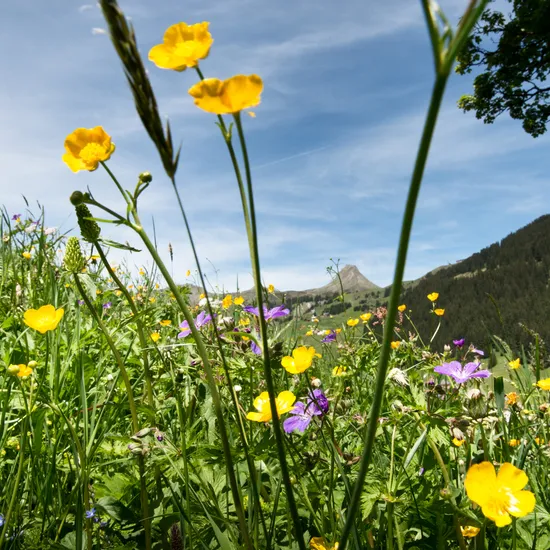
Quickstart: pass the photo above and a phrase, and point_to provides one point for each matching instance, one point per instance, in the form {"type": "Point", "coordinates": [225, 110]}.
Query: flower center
{"type": "Point", "coordinates": [92, 153]}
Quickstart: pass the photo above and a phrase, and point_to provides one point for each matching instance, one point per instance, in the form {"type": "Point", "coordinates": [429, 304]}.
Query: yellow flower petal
{"type": "Point", "coordinates": [433, 296]}
{"type": "Point", "coordinates": [515, 364]}
{"type": "Point", "coordinates": [544, 384]}
{"type": "Point", "coordinates": [43, 319]}
{"type": "Point", "coordinates": [183, 45]}
{"type": "Point", "coordinates": [480, 482]}
{"type": "Point", "coordinates": [402, 308]}
{"type": "Point", "coordinates": [222, 97]}
{"type": "Point", "coordinates": [511, 477]}
{"type": "Point", "coordinates": [469, 530]}
{"type": "Point", "coordinates": [439, 312]}
{"type": "Point", "coordinates": [523, 504]}
{"type": "Point", "coordinates": [86, 148]}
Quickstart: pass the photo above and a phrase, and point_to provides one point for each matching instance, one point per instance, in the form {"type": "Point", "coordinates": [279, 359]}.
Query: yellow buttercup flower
{"type": "Point", "coordinates": [395, 344]}
{"type": "Point", "coordinates": [165, 323]}
{"type": "Point", "coordinates": [319, 543]}
{"type": "Point", "coordinates": [539, 441]}
{"type": "Point", "coordinates": [339, 371]}
{"type": "Point", "coordinates": [86, 148]}
{"type": "Point", "coordinates": [511, 398]}
{"type": "Point", "coordinates": [182, 46]}
{"type": "Point", "coordinates": [187, 273]}
{"type": "Point", "coordinates": [271, 289]}
{"type": "Point", "coordinates": [469, 531]}
{"type": "Point", "coordinates": [433, 296]}
{"type": "Point", "coordinates": [402, 308]}
{"type": "Point", "coordinates": [515, 364]}
{"type": "Point", "coordinates": [514, 442]}
{"type": "Point", "coordinates": [238, 301]}
{"type": "Point", "coordinates": [202, 296]}
{"type": "Point", "coordinates": [338, 331]}
{"type": "Point", "coordinates": [309, 333]}
{"type": "Point", "coordinates": [118, 292]}
{"type": "Point", "coordinates": [222, 97]}
{"type": "Point", "coordinates": [43, 319]}
{"type": "Point", "coordinates": [439, 312]}
{"type": "Point", "coordinates": [26, 255]}
{"type": "Point", "coordinates": [284, 403]}
{"type": "Point", "coordinates": [458, 442]}
{"type": "Point", "coordinates": [227, 301]}
{"type": "Point", "coordinates": [544, 384]}
{"type": "Point", "coordinates": [365, 317]}
{"type": "Point", "coordinates": [352, 322]}
{"type": "Point", "coordinates": [22, 371]}
{"type": "Point", "coordinates": [244, 321]}
{"type": "Point", "coordinates": [499, 495]}
{"type": "Point", "coordinates": [152, 299]}
{"type": "Point", "coordinates": [155, 336]}
{"type": "Point", "coordinates": [301, 359]}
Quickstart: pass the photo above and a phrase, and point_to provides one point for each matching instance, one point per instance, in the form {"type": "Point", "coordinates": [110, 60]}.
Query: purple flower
{"type": "Point", "coordinates": [107, 305]}
{"type": "Point", "coordinates": [80, 302]}
{"type": "Point", "coordinates": [459, 343]}
{"type": "Point", "coordinates": [273, 313]}
{"type": "Point", "coordinates": [461, 373]}
{"type": "Point", "coordinates": [477, 351]}
{"type": "Point", "coordinates": [202, 319]}
{"type": "Point", "coordinates": [255, 348]}
{"type": "Point", "coordinates": [303, 414]}
{"type": "Point", "coordinates": [90, 513]}
{"type": "Point", "coordinates": [330, 337]}
{"type": "Point", "coordinates": [16, 217]}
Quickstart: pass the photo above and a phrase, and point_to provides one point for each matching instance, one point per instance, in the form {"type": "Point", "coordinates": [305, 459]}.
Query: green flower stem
{"type": "Point", "coordinates": [139, 326]}
{"type": "Point", "coordinates": [414, 189]}
{"type": "Point", "coordinates": [240, 424]}
{"type": "Point", "coordinates": [122, 192]}
{"type": "Point", "coordinates": [255, 260]}
{"type": "Point", "coordinates": [15, 493]}
{"type": "Point", "coordinates": [236, 168]}
{"type": "Point", "coordinates": [131, 404]}
{"type": "Point", "coordinates": [203, 353]}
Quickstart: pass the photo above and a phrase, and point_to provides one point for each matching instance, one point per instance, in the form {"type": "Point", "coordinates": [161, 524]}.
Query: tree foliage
{"type": "Point", "coordinates": [513, 53]}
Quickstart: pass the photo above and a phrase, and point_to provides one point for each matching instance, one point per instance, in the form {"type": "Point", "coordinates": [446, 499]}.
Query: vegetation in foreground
{"type": "Point", "coordinates": [131, 418]}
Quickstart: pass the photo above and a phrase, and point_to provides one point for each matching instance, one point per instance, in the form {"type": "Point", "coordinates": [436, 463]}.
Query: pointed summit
{"type": "Point", "coordinates": [352, 280]}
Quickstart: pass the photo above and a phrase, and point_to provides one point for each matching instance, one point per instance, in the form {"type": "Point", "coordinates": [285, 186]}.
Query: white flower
{"type": "Point", "coordinates": [237, 388]}
{"type": "Point", "coordinates": [316, 383]}
{"type": "Point", "coordinates": [398, 376]}
{"type": "Point", "coordinates": [110, 377]}
{"type": "Point", "coordinates": [50, 230]}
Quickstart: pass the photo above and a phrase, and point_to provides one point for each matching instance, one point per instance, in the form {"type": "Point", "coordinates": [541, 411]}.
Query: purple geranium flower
{"type": "Point", "coordinates": [107, 305]}
{"type": "Point", "coordinates": [303, 414]}
{"type": "Point", "coordinates": [90, 513]}
{"type": "Point", "coordinates": [202, 319]}
{"type": "Point", "coordinates": [459, 343]}
{"type": "Point", "coordinates": [461, 373]}
{"type": "Point", "coordinates": [255, 348]}
{"type": "Point", "coordinates": [80, 302]}
{"type": "Point", "coordinates": [273, 313]}
{"type": "Point", "coordinates": [330, 337]}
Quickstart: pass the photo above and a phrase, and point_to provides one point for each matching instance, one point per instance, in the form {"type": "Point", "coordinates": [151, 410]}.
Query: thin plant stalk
{"type": "Point", "coordinates": [406, 228]}
{"type": "Point", "coordinates": [139, 326]}
{"type": "Point", "coordinates": [255, 260]}
{"type": "Point", "coordinates": [131, 404]}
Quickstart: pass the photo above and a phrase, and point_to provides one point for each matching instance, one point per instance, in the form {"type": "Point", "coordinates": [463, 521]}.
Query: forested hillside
{"type": "Point", "coordinates": [502, 290]}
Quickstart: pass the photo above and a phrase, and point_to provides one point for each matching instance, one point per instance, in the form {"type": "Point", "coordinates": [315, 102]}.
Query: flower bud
{"type": "Point", "coordinates": [77, 197]}
{"type": "Point", "coordinates": [73, 261]}
{"type": "Point", "coordinates": [32, 364]}
{"type": "Point", "coordinates": [13, 369]}
{"type": "Point", "coordinates": [89, 229]}
{"type": "Point", "coordinates": [146, 177]}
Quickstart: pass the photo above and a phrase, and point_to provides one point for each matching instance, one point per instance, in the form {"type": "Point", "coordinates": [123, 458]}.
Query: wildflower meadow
{"type": "Point", "coordinates": [137, 415]}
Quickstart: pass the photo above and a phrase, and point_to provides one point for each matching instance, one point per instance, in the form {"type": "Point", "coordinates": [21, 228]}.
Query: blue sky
{"type": "Point", "coordinates": [346, 88]}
